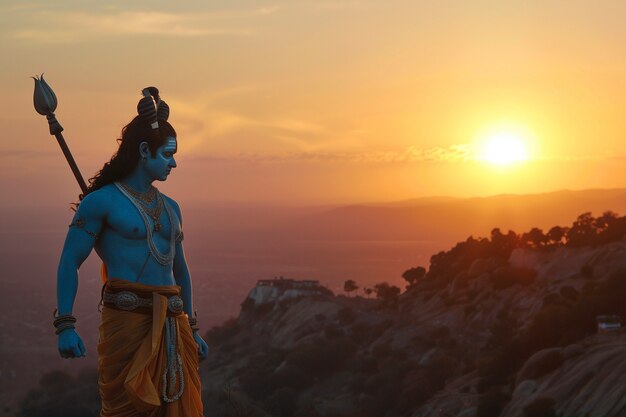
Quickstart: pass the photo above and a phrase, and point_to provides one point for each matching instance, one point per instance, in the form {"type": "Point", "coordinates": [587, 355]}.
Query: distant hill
{"type": "Point", "coordinates": [443, 219]}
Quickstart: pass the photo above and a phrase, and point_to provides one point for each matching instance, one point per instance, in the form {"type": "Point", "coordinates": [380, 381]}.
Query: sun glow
{"type": "Point", "coordinates": [504, 148]}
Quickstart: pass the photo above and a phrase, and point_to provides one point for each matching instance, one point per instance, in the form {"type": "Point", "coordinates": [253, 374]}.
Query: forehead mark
{"type": "Point", "coordinates": [170, 145]}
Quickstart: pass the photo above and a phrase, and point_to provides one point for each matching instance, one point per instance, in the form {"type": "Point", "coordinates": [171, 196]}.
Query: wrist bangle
{"type": "Point", "coordinates": [63, 327]}
{"type": "Point", "coordinates": [63, 321]}
{"type": "Point", "coordinates": [193, 322]}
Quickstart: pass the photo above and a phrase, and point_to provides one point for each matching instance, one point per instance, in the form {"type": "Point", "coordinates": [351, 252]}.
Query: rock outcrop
{"type": "Point", "coordinates": [506, 333]}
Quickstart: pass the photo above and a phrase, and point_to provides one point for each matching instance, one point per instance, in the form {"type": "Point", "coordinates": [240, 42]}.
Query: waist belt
{"type": "Point", "coordinates": [130, 301]}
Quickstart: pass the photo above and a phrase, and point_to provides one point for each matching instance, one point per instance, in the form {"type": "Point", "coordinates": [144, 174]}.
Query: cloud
{"type": "Point", "coordinates": [79, 26]}
{"type": "Point", "coordinates": [212, 117]}
{"type": "Point", "coordinates": [454, 153]}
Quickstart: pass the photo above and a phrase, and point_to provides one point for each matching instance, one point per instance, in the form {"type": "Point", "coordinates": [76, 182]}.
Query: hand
{"type": "Point", "coordinates": [203, 348]}
{"type": "Point", "coordinates": [71, 345]}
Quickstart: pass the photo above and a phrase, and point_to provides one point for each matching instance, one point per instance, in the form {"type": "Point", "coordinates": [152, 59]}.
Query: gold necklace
{"type": "Point", "coordinates": [144, 199]}
{"type": "Point", "coordinates": [155, 212]}
{"type": "Point", "coordinates": [147, 198]}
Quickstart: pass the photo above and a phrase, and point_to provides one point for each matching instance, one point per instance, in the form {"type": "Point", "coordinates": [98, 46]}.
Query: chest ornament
{"type": "Point", "coordinates": [161, 258]}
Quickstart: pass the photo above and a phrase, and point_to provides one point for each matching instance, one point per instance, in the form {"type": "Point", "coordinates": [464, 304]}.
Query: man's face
{"type": "Point", "coordinates": [160, 166]}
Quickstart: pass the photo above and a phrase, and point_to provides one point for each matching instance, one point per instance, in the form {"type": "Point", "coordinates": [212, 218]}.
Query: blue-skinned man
{"type": "Point", "coordinates": [149, 346]}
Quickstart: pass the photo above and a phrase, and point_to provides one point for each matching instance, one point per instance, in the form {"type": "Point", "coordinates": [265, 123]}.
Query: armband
{"type": "Point", "coordinates": [80, 223]}
{"type": "Point", "coordinates": [180, 237]}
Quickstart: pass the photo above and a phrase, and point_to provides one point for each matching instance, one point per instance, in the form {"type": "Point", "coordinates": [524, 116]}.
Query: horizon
{"type": "Point", "coordinates": [338, 203]}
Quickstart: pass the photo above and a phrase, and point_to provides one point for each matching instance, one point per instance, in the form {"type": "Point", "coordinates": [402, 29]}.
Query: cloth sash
{"type": "Point", "coordinates": [132, 356]}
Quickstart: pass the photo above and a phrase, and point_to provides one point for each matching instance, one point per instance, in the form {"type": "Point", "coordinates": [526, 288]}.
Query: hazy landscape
{"type": "Point", "coordinates": [230, 248]}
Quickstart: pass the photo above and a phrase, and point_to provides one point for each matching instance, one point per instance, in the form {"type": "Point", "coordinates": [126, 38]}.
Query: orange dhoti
{"type": "Point", "coordinates": [133, 356]}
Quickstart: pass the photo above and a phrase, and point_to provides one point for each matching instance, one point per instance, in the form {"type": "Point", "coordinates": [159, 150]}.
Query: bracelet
{"type": "Point", "coordinates": [64, 327]}
{"type": "Point", "coordinates": [193, 322]}
{"type": "Point", "coordinates": [63, 321]}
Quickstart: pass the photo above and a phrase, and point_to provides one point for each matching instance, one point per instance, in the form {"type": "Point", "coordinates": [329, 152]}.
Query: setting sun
{"type": "Point", "coordinates": [504, 148]}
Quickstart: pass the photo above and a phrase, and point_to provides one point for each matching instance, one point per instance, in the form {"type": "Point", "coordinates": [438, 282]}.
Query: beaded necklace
{"type": "Point", "coordinates": [163, 259]}
{"type": "Point", "coordinates": [146, 199]}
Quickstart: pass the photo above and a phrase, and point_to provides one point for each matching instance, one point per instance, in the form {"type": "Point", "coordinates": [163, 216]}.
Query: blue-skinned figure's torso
{"type": "Point", "coordinates": [122, 242]}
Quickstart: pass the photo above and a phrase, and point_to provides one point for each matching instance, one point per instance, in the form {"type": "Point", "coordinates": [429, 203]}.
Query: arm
{"type": "Point", "coordinates": [79, 242]}
{"type": "Point", "coordinates": [183, 279]}
{"type": "Point", "coordinates": [181, 271]}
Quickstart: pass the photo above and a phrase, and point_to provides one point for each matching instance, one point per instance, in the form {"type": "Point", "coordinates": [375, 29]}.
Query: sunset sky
{"type": "Point", "coordinates": [315, 102]}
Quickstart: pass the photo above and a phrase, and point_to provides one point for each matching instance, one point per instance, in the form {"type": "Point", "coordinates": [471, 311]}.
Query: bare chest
{"type": "Point", "coordinates": [126, 220]}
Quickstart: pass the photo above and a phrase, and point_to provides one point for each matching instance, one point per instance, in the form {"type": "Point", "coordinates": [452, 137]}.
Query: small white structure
{"type": "Point", "coordinates": [269, 290]}
{"type": "Point", "coordinates": [608, 323]}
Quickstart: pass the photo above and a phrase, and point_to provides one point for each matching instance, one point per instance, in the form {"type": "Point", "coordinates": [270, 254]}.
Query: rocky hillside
{"type": "Point", "coordinates": [513, 333]}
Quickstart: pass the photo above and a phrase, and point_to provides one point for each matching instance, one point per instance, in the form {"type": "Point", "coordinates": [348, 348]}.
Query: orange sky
{"type": "Point", "coordinates": [321, 101]}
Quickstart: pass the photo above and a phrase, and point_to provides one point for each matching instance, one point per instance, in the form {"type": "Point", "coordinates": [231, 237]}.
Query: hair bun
{"type": "Point", "coordinates": [153, 91]}
{"type": "Point", "coordinates": [163, 111]}
{"type": "Point", "coordinates": [147, 106]}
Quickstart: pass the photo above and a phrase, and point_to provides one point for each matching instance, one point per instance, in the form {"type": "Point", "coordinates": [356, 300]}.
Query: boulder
{"type": "Point", "coordinates": [541, 363]}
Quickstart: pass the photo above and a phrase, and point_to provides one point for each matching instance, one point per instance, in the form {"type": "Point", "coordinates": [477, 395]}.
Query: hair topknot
{"type": "Point", "coordinates": [151, 108]}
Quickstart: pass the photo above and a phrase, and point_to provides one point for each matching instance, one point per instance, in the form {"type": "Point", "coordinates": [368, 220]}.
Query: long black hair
{"type": "Point", "coordinates": [125, 160]}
